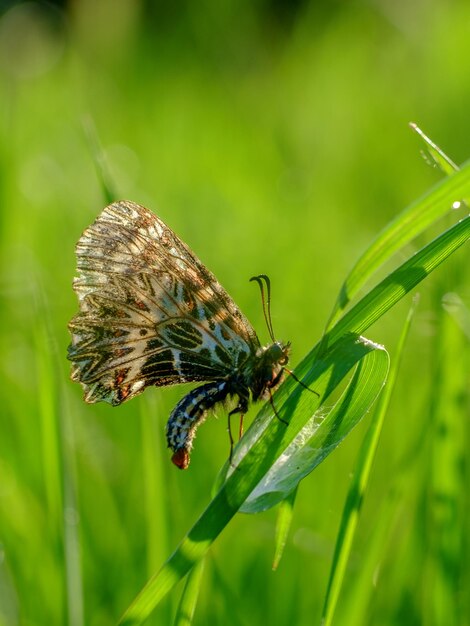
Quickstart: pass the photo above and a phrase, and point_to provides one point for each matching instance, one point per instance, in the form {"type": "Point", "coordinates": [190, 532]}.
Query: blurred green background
{"type": "Point", "coordinates": [272, 137]}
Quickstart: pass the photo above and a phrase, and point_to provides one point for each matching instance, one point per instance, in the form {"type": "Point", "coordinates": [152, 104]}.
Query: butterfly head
{"type": "Point", "coordinates": [268, 368]}
{"type": "Point", "coordinates": [277, 353]}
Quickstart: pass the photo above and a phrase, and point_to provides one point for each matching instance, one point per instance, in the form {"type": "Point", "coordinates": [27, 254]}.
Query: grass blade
{"type": "Point", "coordinates": [358, 487]}
{"type": "Point", "coordinates": [438, 156]}
{"type": "Point", "coordinates": [154, 479]}
{"type": "Point", "coordinates": [403, 229]}
{"type": "Point", "coordinates": [446, 485]}
{"type": "Point", "coordinates": [388, 292]}
{"type": "Point", "coordinates": [187, 605]}
{"type": "Point", "coordinates": [57, 466]}
{"type": "Point", "coordinates": [284, 522]}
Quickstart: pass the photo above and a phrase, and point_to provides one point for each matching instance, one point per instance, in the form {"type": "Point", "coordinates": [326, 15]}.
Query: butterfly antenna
{"type": "Point", "coordinates": [265, 300]}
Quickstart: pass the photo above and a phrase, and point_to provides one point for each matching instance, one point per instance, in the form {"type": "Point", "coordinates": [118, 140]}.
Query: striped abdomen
{"type": "Point", "coordinates": [188, 414]}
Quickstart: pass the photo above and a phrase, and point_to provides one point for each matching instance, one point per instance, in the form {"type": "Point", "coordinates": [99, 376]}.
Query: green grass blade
{"type": "Point", "coordinates": [388, 292]}
{"type": "Point", "coordinates": [154, 480]}
{"type": "Point", "coordinates": [56, 465]}
{"type": "Point", "coordinates": [407, 225]}
{"type": "Point", "coordinates": [446, 482]}
{"type": "Point", "coordinates": [358, 486]}
{"type": "Point", "coordinates": [189, 597]}
{"type": "Point", "coordinates": [284, 521]}
{"type": "Point", "coordinates": [438, 156]}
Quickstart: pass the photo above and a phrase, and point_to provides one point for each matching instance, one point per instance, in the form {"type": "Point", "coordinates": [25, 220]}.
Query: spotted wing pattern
{"type": "Point", "coordinates": [150, 312]}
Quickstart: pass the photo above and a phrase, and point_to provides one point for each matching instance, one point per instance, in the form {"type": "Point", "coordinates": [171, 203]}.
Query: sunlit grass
{"type": "Point", "coordinates": [280, 147]}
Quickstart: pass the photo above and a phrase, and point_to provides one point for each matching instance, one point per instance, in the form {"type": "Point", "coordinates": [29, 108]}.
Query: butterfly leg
{"type": "Point", "coordinates": [240, 426]}
{"type": "Point", "coordinates": [271, 401]}
{"type": "Point", "coordinates": [230, 436]}
{"type": "Point", "coordinates": [242, 408]}
{"type": "Point", "coordinates": [291, 373]}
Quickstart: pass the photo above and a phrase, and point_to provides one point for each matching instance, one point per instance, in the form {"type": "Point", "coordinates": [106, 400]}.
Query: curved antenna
{"type": "Point", "coordinates": [266, 301]}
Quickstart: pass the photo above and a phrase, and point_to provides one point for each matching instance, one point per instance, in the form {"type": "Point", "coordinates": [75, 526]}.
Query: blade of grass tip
{"type": "Point", "coordinates": [189, 597]}
{"type": "Point", "coordinates": [99, 159]}
{"type": "Point", "coordinates": [434, 204]}
{"type": "Point", "coordinates": [438, 156]}
{"type": "Point", "coordinates": [355, 497]}
{"type": "Point", "coordinates": [440, 159]}
{"type": "Point", "coordinates": [284, 521]}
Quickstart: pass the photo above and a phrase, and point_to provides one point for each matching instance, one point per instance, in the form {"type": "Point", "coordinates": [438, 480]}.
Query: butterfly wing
{"type": "Point", "coordinates": [150, 312]}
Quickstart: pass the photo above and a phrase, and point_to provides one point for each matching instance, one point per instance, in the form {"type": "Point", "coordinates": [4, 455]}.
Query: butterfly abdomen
{"type": "Point", "coordinates": [188, 414]}
{"type": "Point", "coordinates": [261, 372]}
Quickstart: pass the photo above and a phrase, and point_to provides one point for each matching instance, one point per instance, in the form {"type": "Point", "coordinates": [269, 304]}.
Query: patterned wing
{"type": "Point", "coordinates": [150, 312]}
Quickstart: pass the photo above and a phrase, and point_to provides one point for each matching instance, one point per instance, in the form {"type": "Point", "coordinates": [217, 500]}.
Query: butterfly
{"type": "Point", "coordinates": [151, 314]}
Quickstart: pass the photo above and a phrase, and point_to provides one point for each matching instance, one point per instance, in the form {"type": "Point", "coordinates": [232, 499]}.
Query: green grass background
{"type": "Point", "coordinates": [272, 137]}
